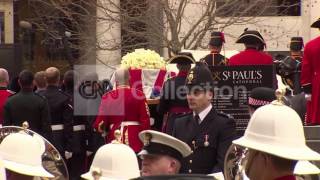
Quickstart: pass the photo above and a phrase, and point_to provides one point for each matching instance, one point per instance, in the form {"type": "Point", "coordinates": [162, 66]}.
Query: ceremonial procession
{"type": "Point", "coordinates": [159, 90]}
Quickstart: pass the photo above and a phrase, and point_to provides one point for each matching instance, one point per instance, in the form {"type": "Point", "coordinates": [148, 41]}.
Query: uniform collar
{"type": "Point", "coordinates": [204, 113]}
{"type": "Point", "coordinates": [3, 88]}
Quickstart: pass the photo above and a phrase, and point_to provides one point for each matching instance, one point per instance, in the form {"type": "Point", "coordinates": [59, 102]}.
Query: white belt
{"type": "Point", "coordinates": [79, 128]}
{"type": "Point", "coordinates": [129, 123]}
{"type": "Point", "coordinates": [57, 127]}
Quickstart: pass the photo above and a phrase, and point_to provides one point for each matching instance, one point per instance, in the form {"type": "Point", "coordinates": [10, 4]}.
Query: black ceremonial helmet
{"type": "Point", "coordinates": [296, 44]}
{"type": "Point", "coordinates": [200, 77]}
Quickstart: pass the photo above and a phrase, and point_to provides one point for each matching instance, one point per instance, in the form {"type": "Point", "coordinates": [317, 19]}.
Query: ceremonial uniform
{"type": "Point", "coordinates": [215, 58]}
{"type": "Point", "coordinates": [126, 109]}
{"type": "Point", "coordinates": [208, 133]}
{"type": "Point", "coordinates": [209, 141]}
{"type": "Point", "coordinates": [79, 146]}
{"type": "Point", "coordinates": [251, 55]}
{"type": "Point", "coordinates": [4, 94]}
{"type": "Point", "coordinates": [28, 106]}
{"type": "Point", "coordinates": [61, 111]}
{"type": "Point", "coordinates": [310, 77]}
{"type": "Point", "coordinates": [173, 100]}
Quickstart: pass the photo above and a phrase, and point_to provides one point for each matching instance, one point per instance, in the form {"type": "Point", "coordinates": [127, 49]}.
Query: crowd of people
{"type": "Point", "coordinates": [116, 140]}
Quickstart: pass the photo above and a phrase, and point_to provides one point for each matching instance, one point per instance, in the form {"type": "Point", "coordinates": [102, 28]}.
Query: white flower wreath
{"type": "Point", "coordinates": [143, 59]}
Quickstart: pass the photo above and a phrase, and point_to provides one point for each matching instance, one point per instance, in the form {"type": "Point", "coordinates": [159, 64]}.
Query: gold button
{"type": "Point", "coordinates": [191, 151]}
{"type": "Point", "coordinates": [193, 142]}
{"type": "Point", "coordinates": [190, 171]}
{"type": "Point", "coordinates": [190, 161]}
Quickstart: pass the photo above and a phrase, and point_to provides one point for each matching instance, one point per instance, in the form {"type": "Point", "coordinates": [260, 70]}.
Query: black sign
{"type": "Point", "coordinates": [233, 85]}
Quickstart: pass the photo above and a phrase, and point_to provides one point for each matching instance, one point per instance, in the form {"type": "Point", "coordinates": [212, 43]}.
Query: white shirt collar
{"type": "Point", "coordinates": [204, 113]}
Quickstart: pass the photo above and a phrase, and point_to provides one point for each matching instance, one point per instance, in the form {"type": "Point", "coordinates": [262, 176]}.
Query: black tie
{"type": "Point", "coordinates": [197, 119]}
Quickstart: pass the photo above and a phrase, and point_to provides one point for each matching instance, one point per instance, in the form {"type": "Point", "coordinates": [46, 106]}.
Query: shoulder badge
{"type": "Point", "coordinates": [190, 77]}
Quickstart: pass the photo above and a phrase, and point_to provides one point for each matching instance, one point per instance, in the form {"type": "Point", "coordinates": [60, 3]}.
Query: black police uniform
{"type": "Point", "coordinates": [173, 99]}
{"type": "Point", "coordinates": [211, 138]}
{"type": "Point", "coordinates": [61, 111]}
{"type": "Point", "coordinates": [31, 107]}
{"type": "Point", "coordinates": [217, 130]}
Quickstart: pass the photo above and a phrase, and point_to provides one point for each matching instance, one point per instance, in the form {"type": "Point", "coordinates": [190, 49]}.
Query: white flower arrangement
{"type": "Point", "coordinates": [143, 59]}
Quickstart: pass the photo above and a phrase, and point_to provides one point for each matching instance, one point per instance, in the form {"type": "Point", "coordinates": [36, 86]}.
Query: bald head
{"type": "Point", "coordinates": [122, 76]}
{"type": "Point", "coordinates": [52, 75]}
{"type": "Point", "coordinates": [4, 77]}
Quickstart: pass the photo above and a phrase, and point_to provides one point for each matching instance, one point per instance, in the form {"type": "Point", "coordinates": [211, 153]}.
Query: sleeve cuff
{"type": "Point", "coordinates": [307, 88]}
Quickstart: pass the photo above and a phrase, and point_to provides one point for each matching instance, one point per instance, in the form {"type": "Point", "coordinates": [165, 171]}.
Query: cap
{"type": "Point", "coordinates": [296, 43]}
{"type": "Point", "coordinates": [217, 39]}
{"type": "Point", "coordinates": [261, 96]}
{"type": "Point", "coordinates": [316, 24]}
{"type": "Point", "coordinates": [200, 76]}
{"type": "Point", "coordinates": [157, 143]}
{"type": "Point", "coordinates": [250, 37]}
{"type": "Point", "coordinates": [182, 58]}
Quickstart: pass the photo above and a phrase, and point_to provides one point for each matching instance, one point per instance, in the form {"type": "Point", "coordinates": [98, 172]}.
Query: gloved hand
{"type": "Point", "coordinates": [308, 97]}
{"type": "Point", "coordinates": [88, 153]}
{"type": "Point", "coordinates": [67, 154]}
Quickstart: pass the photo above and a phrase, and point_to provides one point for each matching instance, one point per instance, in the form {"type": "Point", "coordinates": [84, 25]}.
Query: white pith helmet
{"type": "Point", "coordinates": [22, 153]}
{"type": "Point", "coordinates": [277, 129]}
{"type": "Point", "coordinates": [114, 161]}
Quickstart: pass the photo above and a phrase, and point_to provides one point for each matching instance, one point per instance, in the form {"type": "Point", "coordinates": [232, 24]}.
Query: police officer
{"type": "Point", "coordinates": [215, 45]}
{"type": "Point", "coordinates": [61, 110]}
{"type": "Point", "coordinates": [173, 101]}
{"type": "Point", "coordinates": [274, 150]}
{"type": "Point", "coordinates": [207, 132]}
{"type": "Point", "coordinates": [161, 154]}
{"type": "Point", "coordinates": [28, 106]}
{"type": "Point", "coordinates": [4, 93]}
{"type": "Point", "coordinates": [252, 55]}
{"type": "Point", "coordinates": [310, 76]}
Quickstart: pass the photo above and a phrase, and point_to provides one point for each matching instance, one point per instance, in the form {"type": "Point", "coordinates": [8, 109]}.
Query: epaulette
{"type": "Point", "coordinates": [225, 115]}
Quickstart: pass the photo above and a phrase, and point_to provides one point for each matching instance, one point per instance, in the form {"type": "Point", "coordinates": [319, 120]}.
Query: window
{"type": "Point", "coordinates": [2, 28]}
{"type": "Point", "coordinates": [226, 8]}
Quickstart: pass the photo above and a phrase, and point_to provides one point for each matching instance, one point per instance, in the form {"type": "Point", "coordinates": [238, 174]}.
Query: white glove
{"type": "Point", "coordinates": [67, 154]}
{"type": "Point", "coordinates": [308, 97]}
{"type": "Point", "coordinates": [88, 153]}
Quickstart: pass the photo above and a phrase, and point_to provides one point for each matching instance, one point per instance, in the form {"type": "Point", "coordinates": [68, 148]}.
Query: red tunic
{"type": "Point", "coordinates": [310, 74]}
{"type": "Point", "coordinates": [289, 177]}
{"type": "Point", "coordinates": [251, 57]}
{"type": "Point", "coordinates": [126, 106]}
{"type": "Point", "coordinates": [4, 94]}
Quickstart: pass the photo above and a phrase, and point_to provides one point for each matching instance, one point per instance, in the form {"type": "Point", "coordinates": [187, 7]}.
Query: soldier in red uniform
{"type": "Point", "coordinates": [310, 77]}
{"type": "Point", "coordinates": [252, 54]}
{"type": "Point", "coordinates": [124, 108]}
{"type": "Point", "coordinates": [4, 93]}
